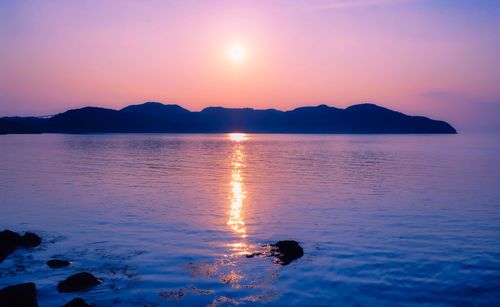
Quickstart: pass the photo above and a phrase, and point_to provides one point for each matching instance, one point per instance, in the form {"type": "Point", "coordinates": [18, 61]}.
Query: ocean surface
{"type": "Point", "coordinates": [166, 220]}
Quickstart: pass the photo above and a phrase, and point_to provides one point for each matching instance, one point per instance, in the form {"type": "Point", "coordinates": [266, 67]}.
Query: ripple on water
{"type": "Point", "coordinates": [168, 219]}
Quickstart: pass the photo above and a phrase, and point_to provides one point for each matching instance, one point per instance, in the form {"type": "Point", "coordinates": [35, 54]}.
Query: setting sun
{"type": "Point", "coordinates": [237, 53]}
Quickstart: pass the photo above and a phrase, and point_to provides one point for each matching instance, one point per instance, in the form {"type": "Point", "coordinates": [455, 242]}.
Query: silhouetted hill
{"type": "Point", "coordinates": [157, 117]}
{"type": "Point", "coordinates": [155, 109]}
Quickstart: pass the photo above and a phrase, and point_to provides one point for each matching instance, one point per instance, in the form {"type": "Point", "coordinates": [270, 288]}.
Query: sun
{"type": "Point", "coordinates": [237, 53]}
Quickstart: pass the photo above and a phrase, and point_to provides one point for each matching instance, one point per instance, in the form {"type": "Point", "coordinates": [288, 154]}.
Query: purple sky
{"type": "Point", "coordinates": [439, 58]}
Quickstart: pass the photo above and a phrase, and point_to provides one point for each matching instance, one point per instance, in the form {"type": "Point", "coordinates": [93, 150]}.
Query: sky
{"type": "Point", "coordinates": [438, 58]}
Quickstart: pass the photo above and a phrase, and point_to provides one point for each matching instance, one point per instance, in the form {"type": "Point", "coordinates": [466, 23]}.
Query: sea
{"type": "Point", "coordinates": [182, 219]}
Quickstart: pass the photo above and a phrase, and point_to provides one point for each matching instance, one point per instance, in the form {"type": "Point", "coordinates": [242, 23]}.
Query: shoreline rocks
{"type": "Point", "coordinates": [29, 240]}
{"type": "Point", "coordinates": [78, 282]}
{"type": "Point", "coordinates": [10, 241]}
{"type": "Point", "coordinates": [19, 295]}
{"type": "Point", "coordinates": [286, 251]}
{"type": "Point", "coordinates": [76, 302]}
{"type": "Point", "coordinates": [24, 295]}
{"type": "Point", "coordinates": [283, 253]}
{"type": "Point", "coordinates": [58, 263]}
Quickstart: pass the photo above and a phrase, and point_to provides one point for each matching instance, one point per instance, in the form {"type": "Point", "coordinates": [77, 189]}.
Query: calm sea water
{"type": "Point", "coordinates": [167, 219]}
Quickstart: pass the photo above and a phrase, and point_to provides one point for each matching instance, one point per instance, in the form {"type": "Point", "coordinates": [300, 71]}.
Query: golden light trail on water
{"type": "Point", "coordinates": [236, 220]}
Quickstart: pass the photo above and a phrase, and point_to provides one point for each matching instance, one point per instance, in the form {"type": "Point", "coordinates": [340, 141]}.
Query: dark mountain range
{"type": "Point", "coordinates": [157, 117]}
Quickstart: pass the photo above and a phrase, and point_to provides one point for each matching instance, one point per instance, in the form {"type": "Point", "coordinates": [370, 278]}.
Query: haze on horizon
{"type": "Point", "coordinates": [439, 58]}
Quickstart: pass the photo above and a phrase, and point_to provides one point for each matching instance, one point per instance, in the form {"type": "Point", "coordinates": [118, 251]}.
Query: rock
{"type": "Point", "coordinates": [76, 302]}
{"type": "Point", "coordinates": [21, 295]}
{"type": "Point", "coordinates": [286, 251]}
{"type": "Point", "coordinates": [30, 239]}
{"type": "Point", "coordinates": [10, 240]}
{"type": "Point", "coordinates": [78, 282]}
{"type": "Point", "coordinates": [56, 263]}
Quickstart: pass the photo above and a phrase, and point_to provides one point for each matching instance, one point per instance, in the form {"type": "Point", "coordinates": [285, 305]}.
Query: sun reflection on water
{"type": "Point", "coordinates": [238, 137]}
{"type": "Point", "coordinates": [236, 219]}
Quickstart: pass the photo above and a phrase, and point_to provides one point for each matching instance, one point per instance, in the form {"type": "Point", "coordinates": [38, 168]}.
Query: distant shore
{"type": "Point", "coordinates": [154, 117]}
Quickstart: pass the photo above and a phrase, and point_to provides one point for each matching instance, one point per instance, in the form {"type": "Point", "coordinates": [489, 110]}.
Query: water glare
{"type": "Point", "coordinates": [236, 221]}
{"type": "Point", "coordinates": [238, 137]}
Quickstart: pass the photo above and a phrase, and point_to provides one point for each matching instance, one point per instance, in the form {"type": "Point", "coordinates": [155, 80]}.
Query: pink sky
{"type": "Point", "coordinates": [439, 58]}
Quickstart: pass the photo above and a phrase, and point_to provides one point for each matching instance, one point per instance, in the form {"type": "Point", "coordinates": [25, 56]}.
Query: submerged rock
{"type": "Point", "coordinates": [30, 239]}
{"type": "Point", "coordinates": [76, 302]}
{"type": "Point", "coordinates": [286, 251]}
{"type": "Point", "coordinates": [57, 263]}
{"type": "Point", "coordinates": [10, 241]}
{"type": "Point", "coordinates": [21, 295]}
{"type": "Point", "coordinates": [78, 282]}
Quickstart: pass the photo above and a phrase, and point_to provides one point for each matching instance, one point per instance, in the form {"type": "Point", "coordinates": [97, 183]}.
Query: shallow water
{"type": "Point", "coordinates": [167, 219]}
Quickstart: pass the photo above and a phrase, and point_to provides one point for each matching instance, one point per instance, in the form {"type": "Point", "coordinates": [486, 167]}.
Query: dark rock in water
{"type": "Point", "coordinates": [30, 239]}
{"type": "Point", "coordinates": [286, 251]}
{"type": "Point", "coordinates": [76, 302]}
{"type": "Point", "coordinates": [78, 282]}
{"type": "Point", "coordinates": [10, 240]}
{"type": "Point", "coordinates": [56, 263]}
{"type": "Point", "coordinates": [22, 295]}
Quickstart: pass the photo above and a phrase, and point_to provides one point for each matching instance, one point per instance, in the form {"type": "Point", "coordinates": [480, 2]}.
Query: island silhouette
{"type": "Point", "coordinates": [155, 117]}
